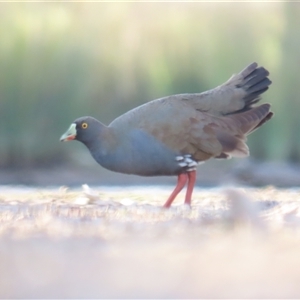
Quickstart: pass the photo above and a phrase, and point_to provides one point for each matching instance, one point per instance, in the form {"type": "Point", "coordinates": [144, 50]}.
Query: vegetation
{"type": "Point", "coordinates": [60, 61]}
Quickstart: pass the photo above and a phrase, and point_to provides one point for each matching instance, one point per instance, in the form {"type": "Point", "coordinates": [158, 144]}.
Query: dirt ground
{"type": "Point", "coordinates": [119, 243]}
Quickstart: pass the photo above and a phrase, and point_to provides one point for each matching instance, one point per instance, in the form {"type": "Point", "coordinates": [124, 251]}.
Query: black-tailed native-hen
{"type": "Point", "coordinates": [172, 135]}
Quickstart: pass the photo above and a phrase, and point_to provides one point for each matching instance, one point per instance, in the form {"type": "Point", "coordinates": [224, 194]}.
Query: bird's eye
{"type": "Point", "coordinates": [84, 125]}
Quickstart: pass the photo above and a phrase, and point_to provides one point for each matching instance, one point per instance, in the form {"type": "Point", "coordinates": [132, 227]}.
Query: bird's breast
{"type": "Point", "coordinates": [141, 154]}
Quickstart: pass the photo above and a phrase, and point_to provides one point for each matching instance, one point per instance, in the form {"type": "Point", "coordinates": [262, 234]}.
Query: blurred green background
{"type": "Point", "coordinates": [59, 61]}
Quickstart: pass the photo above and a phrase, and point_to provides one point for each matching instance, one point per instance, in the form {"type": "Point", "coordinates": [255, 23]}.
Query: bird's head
{"type": "Point", "coordinates": [84, 129]}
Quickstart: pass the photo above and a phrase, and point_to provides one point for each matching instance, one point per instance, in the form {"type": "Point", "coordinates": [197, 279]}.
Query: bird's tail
{"type": "Point", "coordinates": [254, 81]}
{"type": "Point", "coordinates": [246, 122]}
{"type": "Point", "coordinates": [252, 119]}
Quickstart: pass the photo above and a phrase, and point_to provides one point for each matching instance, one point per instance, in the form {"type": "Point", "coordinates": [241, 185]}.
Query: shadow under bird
{"type": "Point", "coordinates": [172, 135]}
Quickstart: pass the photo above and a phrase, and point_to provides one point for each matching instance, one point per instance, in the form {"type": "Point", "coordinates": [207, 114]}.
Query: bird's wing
{"type": "Point", "coordinates": [186, 130]}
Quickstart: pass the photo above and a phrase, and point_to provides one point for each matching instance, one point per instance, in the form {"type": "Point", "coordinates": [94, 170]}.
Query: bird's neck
{"type": "Point", "coordinates": [103, 143]}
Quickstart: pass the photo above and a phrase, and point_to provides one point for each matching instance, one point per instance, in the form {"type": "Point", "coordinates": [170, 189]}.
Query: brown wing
{"type": "Point", "coordinates": [204, 136]}
{"type": "Point", "coordinates": [189, 131]}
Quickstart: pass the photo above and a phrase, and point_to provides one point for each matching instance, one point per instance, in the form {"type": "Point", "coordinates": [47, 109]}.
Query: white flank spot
{"type": "Point", "coordinates": [179, 158]}
{"type": "Point", "coordinates": [182, 164]}
{"type": "Point", "coordinates": [192, 169]}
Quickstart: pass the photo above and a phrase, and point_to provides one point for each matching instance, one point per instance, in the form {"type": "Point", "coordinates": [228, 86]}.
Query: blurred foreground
{"type": "Point", "coordinates": [119, 243]}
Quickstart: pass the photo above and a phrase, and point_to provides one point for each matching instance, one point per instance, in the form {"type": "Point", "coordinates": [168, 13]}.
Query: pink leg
{"type": "Point", "coordinates": [190, 187]}
{"type": "Point", "coordinates": [182, 179]}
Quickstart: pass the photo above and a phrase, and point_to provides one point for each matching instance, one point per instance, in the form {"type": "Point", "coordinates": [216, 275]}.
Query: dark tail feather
{"type": "Point", "coordinates": [255, 83]}
{"type": "Point", "coordinates": [263, 121]}
{"type": "Point", "coordinates": [250, 120]}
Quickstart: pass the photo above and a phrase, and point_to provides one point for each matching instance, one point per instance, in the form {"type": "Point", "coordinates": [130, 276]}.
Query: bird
{"type": "Point", "coordinates": [171, 136]}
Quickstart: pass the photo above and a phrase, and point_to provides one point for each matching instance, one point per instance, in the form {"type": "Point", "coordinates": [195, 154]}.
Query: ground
{"type": "Point", "coordinates": [119, 242]}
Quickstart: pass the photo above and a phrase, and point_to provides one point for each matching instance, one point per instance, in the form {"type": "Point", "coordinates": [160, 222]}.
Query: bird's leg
{"type": "Point", "coordinates": [181, 181]}
{"type": "Point", "coordinates": [190, 187]}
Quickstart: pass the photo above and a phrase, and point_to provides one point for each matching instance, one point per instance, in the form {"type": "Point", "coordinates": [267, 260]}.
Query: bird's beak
{"type": "Point", "coordinates": [70, 134]}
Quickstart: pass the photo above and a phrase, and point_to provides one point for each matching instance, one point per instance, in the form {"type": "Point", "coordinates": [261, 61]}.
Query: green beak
{"type": "Point", "coordinates": [70, 134]}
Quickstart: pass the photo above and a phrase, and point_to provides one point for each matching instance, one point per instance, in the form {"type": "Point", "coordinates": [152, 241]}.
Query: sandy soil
{"type": "Point", "coordinates": [119, 243]}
